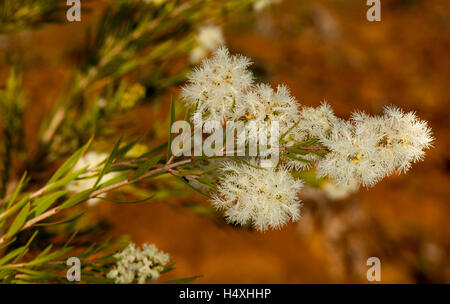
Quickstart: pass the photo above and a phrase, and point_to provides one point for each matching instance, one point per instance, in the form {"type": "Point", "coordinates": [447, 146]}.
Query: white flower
{"type": "Point", "coordinates": [87, 181]}
{"type": "Point", "coordinates": [259, 5]}
{"type": "Point", "coordinates": [402, 136]}
{"type": "Point", "coordinates": [368, 148]}
{"type": "Point", "coordinates": [218, 84]}
{"type": "Point", "coordinates": [209, 38]}
{"type": "Point", "coordinates": [138, 264]}
{"type": "Point", "coordinates": [264, 198]}
{"type": "Point", "coordinates": [316, 122]}
{"type": "Point", "coordinates": [264, 105]}
{"type": "Point", "coordinates": [353, 155]}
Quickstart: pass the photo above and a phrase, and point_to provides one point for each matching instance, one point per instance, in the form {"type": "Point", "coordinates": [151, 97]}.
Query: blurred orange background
{"type": "Point", "coordinates": [322, 50]}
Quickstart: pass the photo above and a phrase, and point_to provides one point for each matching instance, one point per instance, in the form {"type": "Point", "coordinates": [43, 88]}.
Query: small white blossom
{"type": "Point", "coordinates": [264, 105]}
{"type": "Point", "coordinates": [368, 148]}
{"type": "Point", "coordinates": [316, 122]}
{"type": "Point", "coordinates": [353, 155]}
{"type": "Point", "coordinates": [402, 137]}
{"type": "Point", "coordinates": [264, 198]}
{"type": "Point", "coordinates": [87, 180]}
{"type": "Point", "coordinates": [141, 265]}
{"type": "Point", "coordinates": [218, 84]}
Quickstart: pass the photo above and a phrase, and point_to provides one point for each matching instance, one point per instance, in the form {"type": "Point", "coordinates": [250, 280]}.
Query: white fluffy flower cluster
{"type": "Point", "coordinates": [217, 85]}
{"type": "Point", "coordinates": [368, 148]}
{"type": "Point", "coordinates": [140, 265]}
{"type": "Point", "coordinates": [209, 38]}
{"type": "Point", "coordinates": [87, 181]}
{"type": "Point", "coordinates": [222, 89]}
{"type": "Point", "coordinates": [360, 151]}
{"type": "Point", "coordinates": [261, 198]}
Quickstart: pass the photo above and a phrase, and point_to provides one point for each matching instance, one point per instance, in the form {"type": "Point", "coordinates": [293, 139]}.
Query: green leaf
{"type": "Point", "coordinates": [68, 164]}
{"type": "Point", "coordinates": [172, 119]}
{"type": "Point", "coordinates": [12, 255]}
{"type": "Point", "coordinates": [17, 191]}
{"type": "Point", "coordinates": [69, 220]}
{"type": "Point", "coordinates": [16, 207]}
{"type": "Point", "coordinates": [51, 256]}
{"type": "Point", "coordinates": [43, 203]}
{"type": "Point", "coordinates": [108, 161]}
{"type": "Point", "coordinates": [122, 151]}
{"type": "Point", "coordinates": [147, 165]}
{"type": "Point", "coordinates": [128, 202]}
{"type": "Point", "coordinates": [77, 199]}
{"type": "Point", "coordinates": [19, 221]}
{"type": "Point", "coordinates": [66, 179]}
{"type": "Point", "coordinates": [296, 158]}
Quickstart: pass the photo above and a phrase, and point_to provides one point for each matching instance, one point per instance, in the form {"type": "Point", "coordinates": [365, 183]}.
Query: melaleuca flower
{"type": "Point", "coordinates": [264, 198]}
{"type": "Point", "coordinates": [138, 265]}
{"type": "Point", "coordinates": [402, 137]}
{"type": "Point", "coordinates": [264, 105]}
{"type": "Point", "coordinates": [87, 181]}
{"type": "Point", "coordinates": [218, 84]}
{"type": "Point", "coordinates": [353, 155]}
{"type": "Point", "coordinates": [209, 38]}
{"type": "Point", "coordinates": [316, 122]}
{"type": "Point", "coordinates": [313, 123]}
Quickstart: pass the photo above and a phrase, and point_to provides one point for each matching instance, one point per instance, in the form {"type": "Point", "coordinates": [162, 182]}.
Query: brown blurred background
{"type": "Point", "coordinates": [322, 50]}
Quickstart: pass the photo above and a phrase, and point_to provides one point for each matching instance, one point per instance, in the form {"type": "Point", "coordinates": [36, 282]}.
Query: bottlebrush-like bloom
{"type": "Point", "coordinates": [316, 122]}
{"type": "Point", "coordinates": [353, 155]}
{"type": "Point", "coordinates": [368, 148]}
{"type": "Point", "coordinates": [138, 264]}
{"type": "Point", "coordinates": [218, 84]}
{"type": "Point", "coordinates": [264, 105]}
{"type": "Point", "coordinates": [90, 160]}
{"type": "Point", "coordinates": [264, 198]}
{"type": "Point", "coordinates": [402, 136]}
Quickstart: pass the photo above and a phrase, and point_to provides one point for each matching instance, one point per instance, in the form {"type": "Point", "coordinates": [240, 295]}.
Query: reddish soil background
{"type": "Point", "coordinates": [322, 50]}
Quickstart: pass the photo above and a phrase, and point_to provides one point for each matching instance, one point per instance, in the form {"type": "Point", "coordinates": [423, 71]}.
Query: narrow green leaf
{"type": "Point", "coordinates": [128, 202]}
{"type": "Point", "coordinates": [296, 158]}
{"type": "Point", "coordinates": [68, 164]}
{"type": "Point", "coordinates": [19, 221]}
{"type": "Point", "coordinates": [51, 256]}
{"type": "Point", "coordinates": [69, 220]}
{"type": "Point", "coordinates": [16, 207]}
{"type": "Point", "coordinates": [108, 161]}
{"type": "Point", "coordinates": [147, 165]}
{"type": "Point", "coordinates": [12, 255]}
{"type": "Point", "coordinates": [77, 199]}
{"type": "Point", "coordinates": [43, 203]}
{"type": "Point", "coordinates": [16, 191]}
{"type": "Point", "coordinates": [66, 179]}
